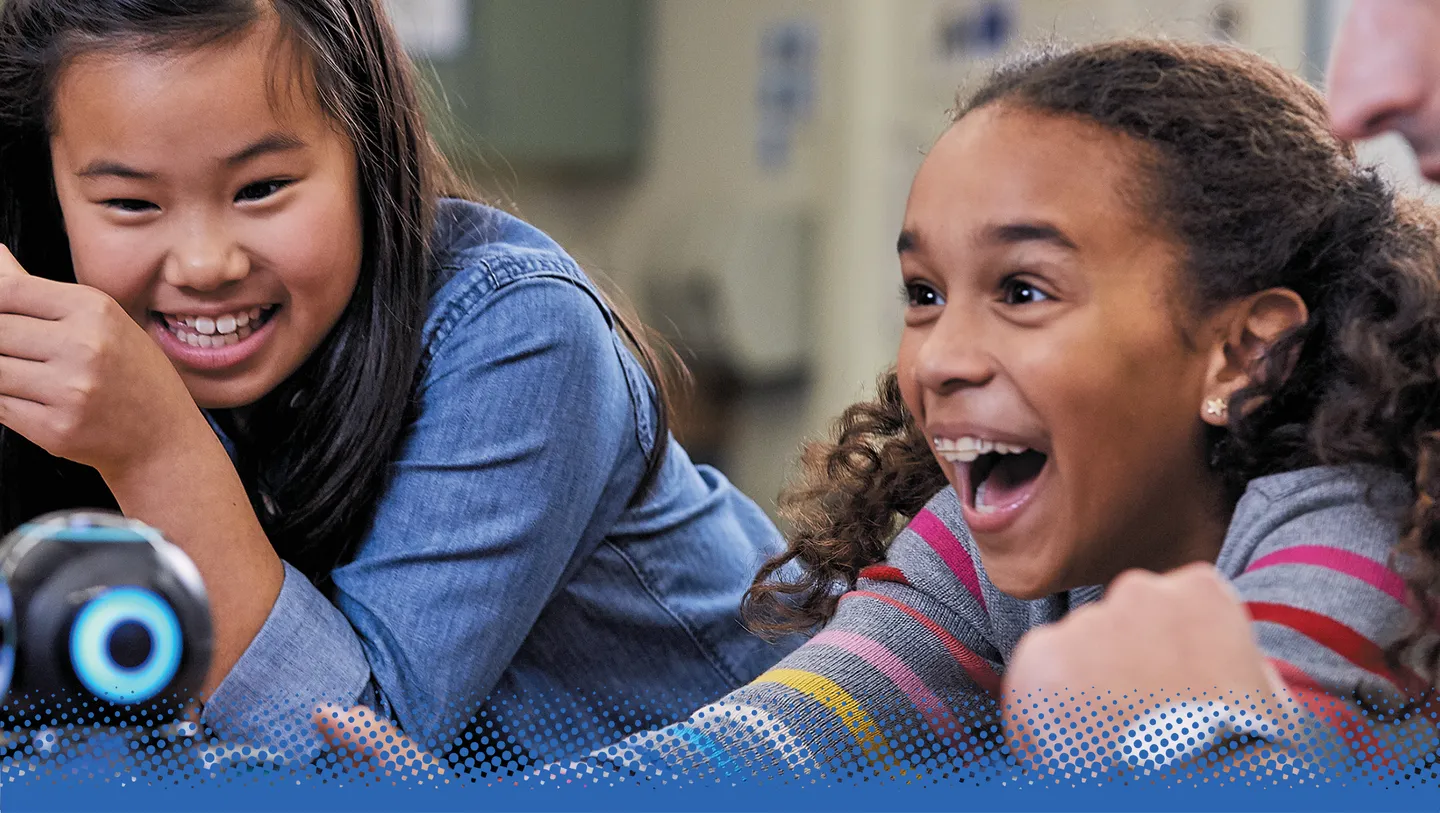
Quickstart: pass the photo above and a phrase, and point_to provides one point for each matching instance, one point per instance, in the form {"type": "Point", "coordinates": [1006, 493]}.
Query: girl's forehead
{"type": "Point", "coordinates": [145, 94]}
{"type": "Point", "coordinates": [259, 61]}
{"type": "Point", "coordinates": [999, 164]}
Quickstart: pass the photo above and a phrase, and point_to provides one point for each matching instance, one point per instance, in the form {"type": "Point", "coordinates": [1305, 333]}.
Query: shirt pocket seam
{"type": "Point", "coordinates": [640, 398]}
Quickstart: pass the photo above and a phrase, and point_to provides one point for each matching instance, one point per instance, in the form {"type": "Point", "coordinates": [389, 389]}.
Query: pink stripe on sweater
{"type": "Point", "coordinates": [880, 657]}
{"type": "Point", "coordinates": [1341, 561]}
{"type": "Point", "coordinates": [975, 666]}
{"type": "Point", "coordinates": [938, 537]}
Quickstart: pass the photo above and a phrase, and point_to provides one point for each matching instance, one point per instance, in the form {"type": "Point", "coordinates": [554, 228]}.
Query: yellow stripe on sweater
{"type": "Point", "coordinates": [839, 701]}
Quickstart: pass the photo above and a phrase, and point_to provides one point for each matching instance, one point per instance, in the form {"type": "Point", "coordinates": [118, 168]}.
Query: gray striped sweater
{"type": "Point", "coordinates": [905, 676]}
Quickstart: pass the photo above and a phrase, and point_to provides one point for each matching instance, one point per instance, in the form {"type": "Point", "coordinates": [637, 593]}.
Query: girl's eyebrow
{"type": "Point", "coordinates": [96, 169]}
{"type": "Point", "coordinates": [1004, 233]}
{"type": "Point", "coordinates": [270, 143]}
{"type": "Point", "coordinates": [1011, 233]}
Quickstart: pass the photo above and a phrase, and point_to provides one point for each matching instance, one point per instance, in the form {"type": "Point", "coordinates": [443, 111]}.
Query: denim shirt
{"type": "Point", "coordinates": [505, 560]}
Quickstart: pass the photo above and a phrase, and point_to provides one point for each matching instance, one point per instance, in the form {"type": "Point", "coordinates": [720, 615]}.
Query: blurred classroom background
{"type": "Point", "coordinates": [737, 169]}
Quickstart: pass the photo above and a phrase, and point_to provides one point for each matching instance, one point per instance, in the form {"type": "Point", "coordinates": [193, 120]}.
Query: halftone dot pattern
{"type": "Point", "coordinates": [793, 733]}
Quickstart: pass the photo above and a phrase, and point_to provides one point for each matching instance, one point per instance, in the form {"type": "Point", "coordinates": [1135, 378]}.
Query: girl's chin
{"type": "Point", "coordinates": [210, 394]}
{"type": "Point", "coordinates": [1021, 575]}
{"type": "Point", "coordinates": [1026, 591]}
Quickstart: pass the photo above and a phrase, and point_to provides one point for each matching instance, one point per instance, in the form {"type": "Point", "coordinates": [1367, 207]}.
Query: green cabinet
{"type": "Point", "coordinates": [556, 84]}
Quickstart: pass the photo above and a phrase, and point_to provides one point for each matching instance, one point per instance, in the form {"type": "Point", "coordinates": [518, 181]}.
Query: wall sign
{"type": "Point", "coordinates": [977, 30]}
{"type": "Point", "coordinates": [787, 88]}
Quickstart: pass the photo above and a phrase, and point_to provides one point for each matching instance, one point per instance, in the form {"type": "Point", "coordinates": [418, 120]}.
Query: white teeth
{"type": "Point", "coordinates": [960, 457]}
{"type": "Point", "coordinates": [221, 331]}
{"type": "Point", "coordinates": [200, 340]}
{"type": "Point", "coordinates": [966, 449]}
{"type": "Point", "coordinates": [982, 494]}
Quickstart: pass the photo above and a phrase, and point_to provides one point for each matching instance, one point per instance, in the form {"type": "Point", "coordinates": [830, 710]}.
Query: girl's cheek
{"type": "Point", "coordinates": [906, 373]}
{"type": "Point", "coordinates": [106, 257]}
{"type": "Point", "coordinates": [126, 284]}
{"type": "Point", "coordinates": [318, 252]}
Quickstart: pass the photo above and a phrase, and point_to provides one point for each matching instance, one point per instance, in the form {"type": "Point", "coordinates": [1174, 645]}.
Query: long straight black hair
{"type": "Point", "coordinates": [314, 453]}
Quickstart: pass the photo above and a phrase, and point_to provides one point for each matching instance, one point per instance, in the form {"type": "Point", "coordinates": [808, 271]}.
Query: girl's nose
{"type": "Point", "coordinates": [953, 356]}
{"type": "Point", "coordinates": [206, 261]}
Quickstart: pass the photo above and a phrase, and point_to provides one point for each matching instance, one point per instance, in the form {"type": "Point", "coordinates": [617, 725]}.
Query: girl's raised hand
{"type": "Point", "coordinates": [82, 380]}
{"type": "Point", "coordinates": [1153, 643]}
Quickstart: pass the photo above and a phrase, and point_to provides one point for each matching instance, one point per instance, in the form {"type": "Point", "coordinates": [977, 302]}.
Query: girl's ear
{"type": "Point", "coordinates": [1246, 330]}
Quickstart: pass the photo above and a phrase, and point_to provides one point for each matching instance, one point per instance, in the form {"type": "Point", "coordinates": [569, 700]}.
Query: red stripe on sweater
{"type": "Point", "coordinates": [1344, 718]}
{"type": "Point", "coordinates": [884, 573]}
{"type": "Point", "coordinates": [1359, 736]}
{"type": "Point", "coordinates": [1344, 641]}
{"type": "Point", "coordinates": [975, 666]}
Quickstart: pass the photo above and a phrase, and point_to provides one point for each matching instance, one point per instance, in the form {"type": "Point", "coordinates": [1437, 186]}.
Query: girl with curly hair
{"type": "Point", "coordinates": [1165, 342]}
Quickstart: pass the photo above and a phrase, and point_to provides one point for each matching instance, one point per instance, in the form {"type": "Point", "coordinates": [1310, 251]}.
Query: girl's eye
{"type": "Point", "coordinates": [129, 205]}
{"type": "Point", "coordinates": [921, 295]}
{"type": "Point", "coordinates": [1016, 291]}
{"type": "Point", "coordinates": [260, 191]}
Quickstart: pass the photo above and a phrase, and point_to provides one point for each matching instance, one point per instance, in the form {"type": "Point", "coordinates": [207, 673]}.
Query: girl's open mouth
{"type": "Point", "coordinates": [997, 480]}
{"type": "Point", "coordinates": [213, 342]}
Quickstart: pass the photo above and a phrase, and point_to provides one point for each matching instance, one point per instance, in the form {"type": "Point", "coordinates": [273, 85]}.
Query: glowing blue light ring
{"type": "Point", "coordinates": [89, 645]}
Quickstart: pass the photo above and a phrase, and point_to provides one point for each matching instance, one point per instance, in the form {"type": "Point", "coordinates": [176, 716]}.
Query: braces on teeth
{"type": "Point", "coordinates": [968, 449]}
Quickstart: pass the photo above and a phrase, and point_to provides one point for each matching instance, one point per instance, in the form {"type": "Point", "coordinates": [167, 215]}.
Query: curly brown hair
{"type": "Point", "coordinates": [1241, 167]}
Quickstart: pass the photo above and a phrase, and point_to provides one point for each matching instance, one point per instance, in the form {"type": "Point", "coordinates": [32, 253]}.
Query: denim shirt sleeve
{"type": "Point", "coordinates": [525, 412]}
